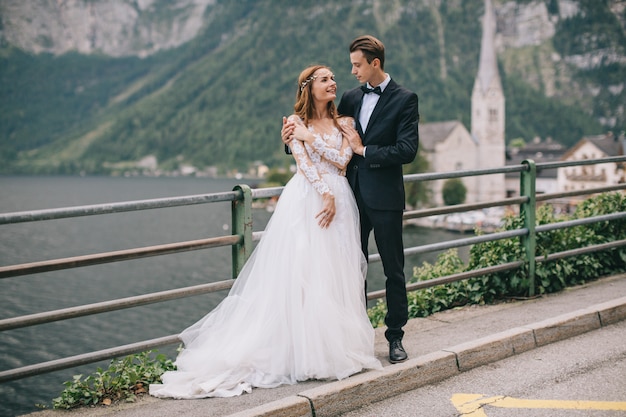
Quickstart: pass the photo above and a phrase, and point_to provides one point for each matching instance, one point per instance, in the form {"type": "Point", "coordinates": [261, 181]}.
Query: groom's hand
{"type": "Point", "coordinates": [286, 133]}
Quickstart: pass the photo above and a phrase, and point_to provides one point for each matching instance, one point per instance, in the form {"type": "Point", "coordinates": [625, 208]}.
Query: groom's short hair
{"type": "Point", "coordinates": [371, 47]}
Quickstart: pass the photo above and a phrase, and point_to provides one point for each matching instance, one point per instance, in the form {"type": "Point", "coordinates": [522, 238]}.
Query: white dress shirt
{"type": "Point", "coordinates": [368, 104]}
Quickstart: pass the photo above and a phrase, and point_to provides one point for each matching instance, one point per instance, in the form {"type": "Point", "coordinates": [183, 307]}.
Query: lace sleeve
{"type": "Point", "coordinates": [338, 157]}
{"type": "Point", "coordinates": [308, 169]}
{"type": "Point", "coordinates": [306, 166]}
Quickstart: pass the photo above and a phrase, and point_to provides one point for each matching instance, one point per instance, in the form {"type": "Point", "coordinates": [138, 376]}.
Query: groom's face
{"type": "Point", "coordinates": [361, 69]}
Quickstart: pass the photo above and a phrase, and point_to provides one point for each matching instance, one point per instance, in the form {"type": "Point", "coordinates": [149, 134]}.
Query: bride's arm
{"type": "Point", "coordinates": [304, 163]}
{"type": "Point", "coordinates": [326, 215]}
{"type": "Point", "coordinates": [306, 166]}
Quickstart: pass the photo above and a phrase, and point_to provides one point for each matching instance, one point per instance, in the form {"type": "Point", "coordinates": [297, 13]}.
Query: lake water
{"type": "Point", "coordinates": [36, 241]}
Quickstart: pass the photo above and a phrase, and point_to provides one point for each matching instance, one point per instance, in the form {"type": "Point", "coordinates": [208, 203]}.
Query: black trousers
{"type": "Point", "coordinates": [387, 227]}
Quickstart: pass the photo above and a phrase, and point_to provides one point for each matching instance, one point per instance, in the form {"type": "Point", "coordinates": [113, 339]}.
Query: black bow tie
{"type": "Point", "coordinates": [368, 90]}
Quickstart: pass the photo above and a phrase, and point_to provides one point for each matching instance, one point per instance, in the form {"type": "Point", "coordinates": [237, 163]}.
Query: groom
{"type": "Point", "coordinates": [386, 118]}
{"type": "Point", "coordinates": [386, 137]}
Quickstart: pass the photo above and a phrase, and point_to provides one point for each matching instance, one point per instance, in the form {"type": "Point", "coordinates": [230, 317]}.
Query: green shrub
{"type": "Point", "coordinates": [123, 381]}
{"type": "Point", "coordinates": [553, 276]}
{"type": "Point", "coordinates": [495, 286]}
{"type": "Point", "coordinates": [426, 301]}
{"type": "Point", "coordinates": [454, 192]}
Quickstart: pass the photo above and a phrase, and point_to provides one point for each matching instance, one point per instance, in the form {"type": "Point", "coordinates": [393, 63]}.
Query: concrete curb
{"type": "Point", "coordinates": [359, 390]}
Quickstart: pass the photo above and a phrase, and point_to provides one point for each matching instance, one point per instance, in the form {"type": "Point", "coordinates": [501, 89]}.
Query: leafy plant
{"type": "Point", "coordinates": [425, 302]}
{"type": "Point", "coordinates": [454, 192]}
{"type": "Point", "coordinates": [124, 380]}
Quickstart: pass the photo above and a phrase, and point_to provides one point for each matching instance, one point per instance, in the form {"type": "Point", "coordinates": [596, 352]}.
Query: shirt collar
{"type": "Point", "coordinates": [382, 85]}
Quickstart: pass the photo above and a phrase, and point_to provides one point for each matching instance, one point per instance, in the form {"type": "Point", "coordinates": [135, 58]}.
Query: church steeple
{"type": "Point", "coordinates": [488, 110]}
{"type": "Point", "coordinates": [488, 64]}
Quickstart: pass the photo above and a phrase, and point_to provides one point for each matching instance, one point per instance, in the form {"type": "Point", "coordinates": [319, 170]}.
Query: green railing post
{"type": "Point", "coordinates": [242, 226]}
{"type": "Point", "coordinates": [528, 180]}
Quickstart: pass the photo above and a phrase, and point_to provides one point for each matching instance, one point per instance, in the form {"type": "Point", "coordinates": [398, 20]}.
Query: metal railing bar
{"type": "Point", "coordinates": [462, 207]}
{"type": "Point", "coordinates": [96, 209]}
{"type": "Point", "coordinates": [562, 164]}
{"type": "Point", "coordinates": [451, 278]}
{"type": "Point", "coordinates": [580, 222]}
{"type": "Point", "coordinates": [266, 192]}
{"type": "Point", "coordinates": [430, 176]}
{"type": "Point", "coordinates": [550, 196]}
{"type": "Point", "coordinates": [86, 358]}
{"type": "Point", "coordinates": [112, 305]}
{"type": "Point", "coordinates": [581, 251]}
{"type": "Point", "coordinates": [433, 247]}
{"type": "Point", "coordinates": [116, 256]}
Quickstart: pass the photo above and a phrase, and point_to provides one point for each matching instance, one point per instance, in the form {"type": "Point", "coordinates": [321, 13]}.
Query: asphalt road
{"type": "Point", "coordinates": [580, 376]}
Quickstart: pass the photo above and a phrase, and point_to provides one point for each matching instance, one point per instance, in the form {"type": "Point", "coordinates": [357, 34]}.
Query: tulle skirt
{"type": "Point", "coordinates": [296, 311]}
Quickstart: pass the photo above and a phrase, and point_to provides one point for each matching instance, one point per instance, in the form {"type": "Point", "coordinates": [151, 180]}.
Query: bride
{"type": "Point", "coordinates": [297, 310]}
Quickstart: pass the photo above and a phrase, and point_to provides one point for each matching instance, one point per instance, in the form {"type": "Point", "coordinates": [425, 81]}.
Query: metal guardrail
{"type": "Point", "coordinates": [242, 239]}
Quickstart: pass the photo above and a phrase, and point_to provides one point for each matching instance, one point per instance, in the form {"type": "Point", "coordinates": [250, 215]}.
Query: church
{"type": "Point", "coordinates": [449, 146]}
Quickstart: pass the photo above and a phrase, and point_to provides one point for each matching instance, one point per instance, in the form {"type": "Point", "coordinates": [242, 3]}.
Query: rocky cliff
{"type": "Point", "coordinates": [115, 27]}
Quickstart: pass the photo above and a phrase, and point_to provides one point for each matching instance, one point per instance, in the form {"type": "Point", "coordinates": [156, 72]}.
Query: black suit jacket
{"type": "Point", "coordinates": [391, 139]}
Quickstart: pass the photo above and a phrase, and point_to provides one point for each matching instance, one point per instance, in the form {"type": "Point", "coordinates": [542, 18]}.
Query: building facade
{"type": "Point", "coordinates": [449, 146]}
{"type": "Point", "coordinates": [593, 176]}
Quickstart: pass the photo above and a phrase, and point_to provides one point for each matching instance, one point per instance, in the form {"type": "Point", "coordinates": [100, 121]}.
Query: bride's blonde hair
{"type": "Point", "coordinates": [304, 99]}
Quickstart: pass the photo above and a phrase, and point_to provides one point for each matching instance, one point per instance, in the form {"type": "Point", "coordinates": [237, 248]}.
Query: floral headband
{"type": "Point", "coordinates": [307, 81]}
{"type": "Point", "coordinates": [312, 78]}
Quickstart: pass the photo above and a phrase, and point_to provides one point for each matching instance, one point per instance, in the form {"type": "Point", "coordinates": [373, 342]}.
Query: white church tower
{"type": "Point", "coordinates": [488, 113]}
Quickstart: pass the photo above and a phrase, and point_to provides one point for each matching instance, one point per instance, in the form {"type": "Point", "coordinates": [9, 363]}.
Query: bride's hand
{"type": "Point", "coordinates": [301, 133]}
{"type": "Point", "coordinates": [353, 138]}
{"type": "Point", "coordinates": [327, 214]}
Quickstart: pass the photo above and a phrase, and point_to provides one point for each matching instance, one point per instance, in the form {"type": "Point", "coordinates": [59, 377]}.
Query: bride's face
{"type": "Point", "coordinates": [324, 87]}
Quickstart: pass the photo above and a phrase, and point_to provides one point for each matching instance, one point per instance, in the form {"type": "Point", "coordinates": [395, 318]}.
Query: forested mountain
{"type": "Point", "coordinates": [216, 100]}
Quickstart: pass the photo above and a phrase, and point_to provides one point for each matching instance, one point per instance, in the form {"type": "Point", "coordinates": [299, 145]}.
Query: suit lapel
{"type": "Point", "coordinates": [358, 112]}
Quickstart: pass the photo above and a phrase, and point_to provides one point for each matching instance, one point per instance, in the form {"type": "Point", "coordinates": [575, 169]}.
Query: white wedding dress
{"type": "Point", "coordinates": [297, 310]}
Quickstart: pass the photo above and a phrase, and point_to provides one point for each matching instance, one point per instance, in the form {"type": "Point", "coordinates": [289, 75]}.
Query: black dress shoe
{"type": "Point", "coordinates": [396, 351]}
